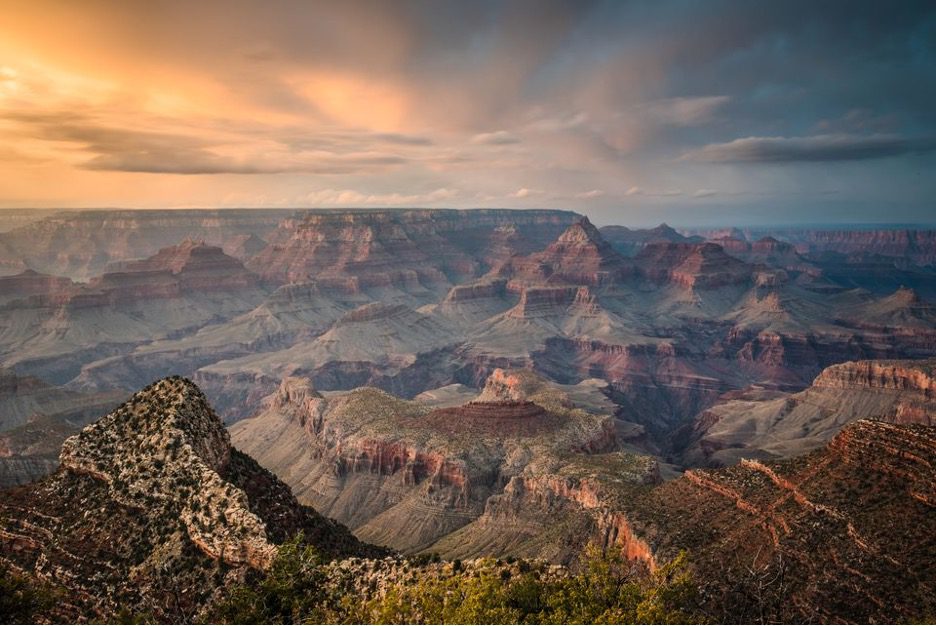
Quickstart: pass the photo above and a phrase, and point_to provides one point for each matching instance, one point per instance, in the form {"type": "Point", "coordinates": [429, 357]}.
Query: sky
{"type": "Point", "coordinates": [690, 112]}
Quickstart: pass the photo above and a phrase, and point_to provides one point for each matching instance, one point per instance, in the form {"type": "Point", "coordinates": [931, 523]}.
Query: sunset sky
{"type": "Point", "coordinates": [632, 112]}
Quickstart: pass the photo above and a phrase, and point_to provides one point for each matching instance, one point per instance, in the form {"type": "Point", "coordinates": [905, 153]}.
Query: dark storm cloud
{"type": "Point", "coordinates": [816, 148]}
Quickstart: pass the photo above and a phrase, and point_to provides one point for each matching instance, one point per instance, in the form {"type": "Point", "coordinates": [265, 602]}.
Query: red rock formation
{"type": "Point", "coordinates": [553, 492]}
{"type": "Point", "coordinates": [846, 528]}
{"type": "Point", "coordinates": [891, 375]}
{"type": "Point", "coordinates": [151, 496]}
{"type": "Point", "coordinates": [702, 266]}
{"type": "Point", "coordinates": [538, 301]}
{"type": "Point", "coordinates": [580, 256]}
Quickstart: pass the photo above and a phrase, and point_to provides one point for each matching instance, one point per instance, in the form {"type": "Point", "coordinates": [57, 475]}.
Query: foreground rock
{"type": "Point", "coordinates": [152, 511]}
{"type": "Point", "coordinates": [844, 534]}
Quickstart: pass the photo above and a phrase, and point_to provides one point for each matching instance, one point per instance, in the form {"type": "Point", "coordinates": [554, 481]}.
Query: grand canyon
{"type": "Point", "coordinates": [497, 312]}
{"type": "Point", "coordinates": [466, 384]}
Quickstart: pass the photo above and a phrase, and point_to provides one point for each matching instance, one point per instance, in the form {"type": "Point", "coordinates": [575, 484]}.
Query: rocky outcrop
{"type": "Point", "coordinates": [693, 266]}
{"type": "Point", "coordinates": [899, 376]}
{"type": "Point", "coordinates": [476, 291]}
{"type": "Point", "coordinates": [538, 301]}
{"type": "Point", "coordinates": [149, 497]}
{"type": "Point", "coordinates": [844, 528]}
{"type": "Point", "coordinates": [31, 284]}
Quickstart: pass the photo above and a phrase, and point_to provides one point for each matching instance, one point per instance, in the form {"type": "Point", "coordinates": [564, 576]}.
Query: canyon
{"type": "Point", "coordinates": [415, 300]}
{"type": "Point", "coordinates": [466, 384]}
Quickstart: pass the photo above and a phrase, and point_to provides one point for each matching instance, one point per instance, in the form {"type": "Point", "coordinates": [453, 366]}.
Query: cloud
{"type": "Point", "coordinates": [684, 111]}
{"type": "Point", "coordinates": [497, 138]}
{"type": "Point", "coordinates": [665, 193]}
{"type": "Point", "coordinates": [810, 149]}
{"type": "Point", "coordinates": [350, 197]}
{"type": "Point", "coordinates": [127, 150]}
{"type": "Point", "coordinates": [523, 192]}
{"type": "Point", "coordinates": [704, 193]}
{"type": "Point", "coordinates": [589, 195]}
{"type": "Point", "coordinates": [401, 139]}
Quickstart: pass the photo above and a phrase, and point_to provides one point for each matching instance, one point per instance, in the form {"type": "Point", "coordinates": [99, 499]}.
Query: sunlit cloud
{"type": "Point", "coordinates": [352, 198]}
{"type": "Point", "coordinates": [523, 192]}
{"type": "Point", "coordinates": [496, 138]}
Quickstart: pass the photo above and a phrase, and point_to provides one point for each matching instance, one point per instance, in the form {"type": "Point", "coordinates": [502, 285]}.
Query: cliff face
{"type": "Point", "coordinates": [917, 246]}
{"type": "Point", "coordinates": [898, 376]}
{"type": "Point", "coordinates": [149, 500]}
{"type": "Point", "coordinates": [29, 283]}
{"type": "Point", "coordinates": [407, 249]}
{"type": "Point", "coordinates": [405, 475]}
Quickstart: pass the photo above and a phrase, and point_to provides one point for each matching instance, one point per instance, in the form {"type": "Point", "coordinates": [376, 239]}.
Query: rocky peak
{"type": "Point", "coordinates": [704, 265]}
{"type": "Point", "coordinates": [297, 398]}
{"type": "Point", "coordinates": [665, 232]}
{"type": "Point", "coordinates": [905, 296]}
{"type": "Point", "coordinates": [503, 385]}
{"type": "Point", "coordinates": [521, 386]}
{"type": "Point", "coordinates": [582, 232]}
{"type": "Point", "coordinates": [165, 447]}
{"type": "Point", "coordinates": [151, 509]}
{"type": "Point", "coordinates": [580, 256]}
